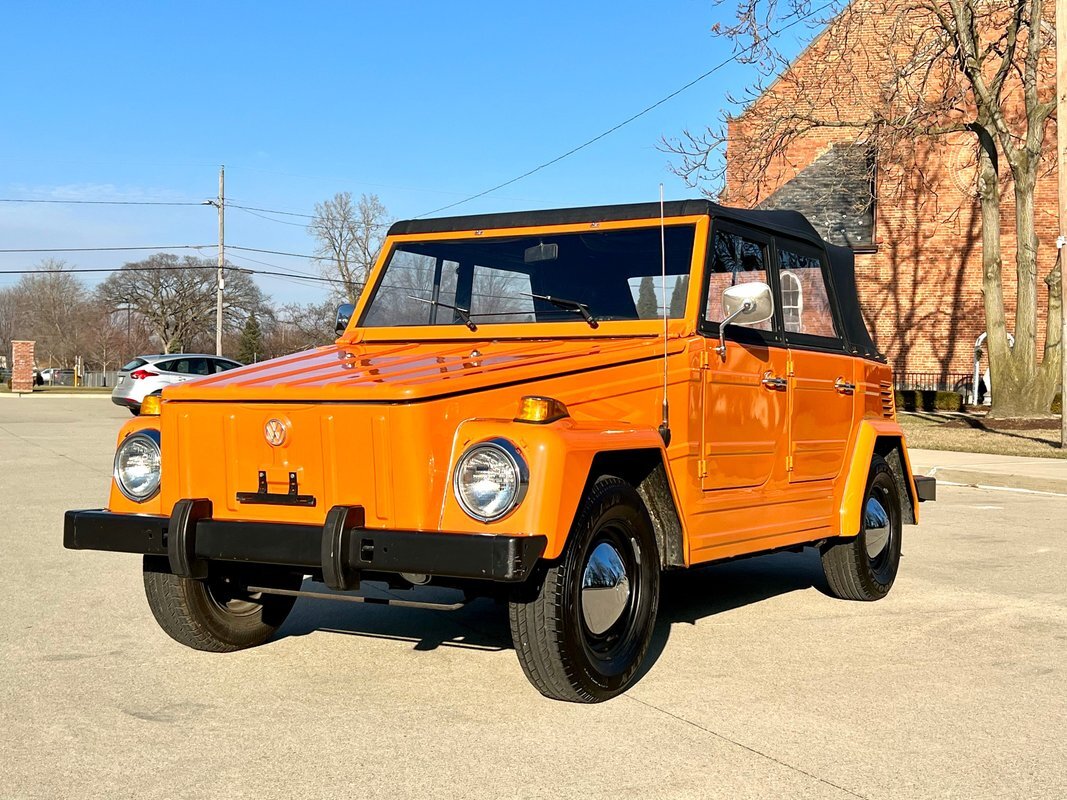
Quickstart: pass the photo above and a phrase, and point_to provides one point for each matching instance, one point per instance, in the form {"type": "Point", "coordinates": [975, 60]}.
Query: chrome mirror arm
{"type": "Point", "coordinates": [747, 306]}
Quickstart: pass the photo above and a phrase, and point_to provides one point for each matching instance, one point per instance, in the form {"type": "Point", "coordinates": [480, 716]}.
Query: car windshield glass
{"type": "Point", "coordinates": [614, 274]}
{"type": "Point", "coordinates": [137, 362]}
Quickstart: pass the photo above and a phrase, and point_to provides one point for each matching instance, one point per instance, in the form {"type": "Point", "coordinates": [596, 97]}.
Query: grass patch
{"type": "Point", "coordinates": [931, 431]}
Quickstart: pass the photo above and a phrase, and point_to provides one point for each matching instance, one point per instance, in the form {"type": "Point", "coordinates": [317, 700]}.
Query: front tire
{"type": "Point", "coordinates": [864, 567]}
{"type": "Point", "coordinates": [215, 615]}
{"type": "Point", "coordinates": [582, 629]}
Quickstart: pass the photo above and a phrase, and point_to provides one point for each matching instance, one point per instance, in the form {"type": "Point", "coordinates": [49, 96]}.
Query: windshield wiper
{"type": "Point", "coordinates": [567, 305]}
{"type": "Point", "coordinates": [463, 313]}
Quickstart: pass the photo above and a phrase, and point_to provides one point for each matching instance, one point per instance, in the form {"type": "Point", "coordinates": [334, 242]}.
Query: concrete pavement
{"type": "Point", "coordinates": [758, 685]}
{"type": "Point", "coordinates": [989, 471]}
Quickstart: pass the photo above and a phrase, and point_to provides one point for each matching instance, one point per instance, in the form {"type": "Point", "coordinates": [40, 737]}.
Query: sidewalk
{"type": "Point", "coordinates": [984, 470]}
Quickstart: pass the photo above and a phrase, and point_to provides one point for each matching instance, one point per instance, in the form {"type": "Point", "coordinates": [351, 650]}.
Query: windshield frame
{"type": "Point", "coordinates": [577, 327]}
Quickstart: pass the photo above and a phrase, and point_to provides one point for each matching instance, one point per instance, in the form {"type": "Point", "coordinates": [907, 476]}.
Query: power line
{"type": "Point", "coordinates": [290, 272]}
{"type": "Point", "coordinates": [272, 211]}
{"type": "Point", "coordinates": [269, 219]}
{"type": "Point", "coordinates": [276, 253]}
{"type": "Point", "coordinates": [634, 117]}
{"type": "Point", "coordinates": [105, 249]}
{"type": "Point", "coordinates": [103, 202]}
{"type": "Point", "coordinates": [66, 271]}
{"type": "Point", "coordinates": [166, 268]}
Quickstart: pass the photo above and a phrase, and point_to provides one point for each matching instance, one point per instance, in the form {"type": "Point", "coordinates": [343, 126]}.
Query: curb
{"type": "Point", "coordinates": [994, 480]}
{"type": "Point", "coordinates": [37, 395]}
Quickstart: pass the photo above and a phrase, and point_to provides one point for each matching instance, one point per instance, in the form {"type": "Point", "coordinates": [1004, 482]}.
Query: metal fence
{"type": "Point", "coordinates": [933, 381]}
{"type": "Point", "coordinates": [105, 379]}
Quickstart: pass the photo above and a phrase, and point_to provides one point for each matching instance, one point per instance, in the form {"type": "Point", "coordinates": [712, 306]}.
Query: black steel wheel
{"type": "Point", "coordinates": [217, 614]}
{"type": "Point", "coordinates": [864, 567]}
{"type": "Point", "coordinates": [582, 627]}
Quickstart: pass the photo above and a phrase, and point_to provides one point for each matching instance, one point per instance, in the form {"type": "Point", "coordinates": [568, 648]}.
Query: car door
{"type": "Point", "coordinates": [744, 391]}
{"type": "Point", "coordinates": [822, 380]}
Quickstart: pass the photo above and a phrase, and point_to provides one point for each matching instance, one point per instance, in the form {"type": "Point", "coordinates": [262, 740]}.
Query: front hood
{"type": "Point", "coordinates": [412, 371]}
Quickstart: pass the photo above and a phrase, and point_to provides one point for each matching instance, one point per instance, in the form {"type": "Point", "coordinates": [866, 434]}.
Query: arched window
{"type": "Point", "coordinates": [792, 302]}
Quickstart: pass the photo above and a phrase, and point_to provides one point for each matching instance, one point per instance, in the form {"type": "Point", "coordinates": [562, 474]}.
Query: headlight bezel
{"type": "Point", "coordinates": [518, 464]}
{"type": "Point", "coordinates": [151, 436]}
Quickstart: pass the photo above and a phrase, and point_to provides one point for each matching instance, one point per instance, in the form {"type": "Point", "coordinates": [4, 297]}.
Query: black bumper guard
{"type": "Point", "coordinates": [342, 548]}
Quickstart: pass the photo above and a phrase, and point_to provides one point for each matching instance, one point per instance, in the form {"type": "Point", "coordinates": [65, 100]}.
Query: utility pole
{"type": "Point", "coordinates": [1061, 167]}
{"type": "Point", "coordinates": [222, 251]}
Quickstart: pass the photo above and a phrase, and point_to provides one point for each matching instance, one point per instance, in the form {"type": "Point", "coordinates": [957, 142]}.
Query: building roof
{"type": "Point", "coordinates": [836, 193]}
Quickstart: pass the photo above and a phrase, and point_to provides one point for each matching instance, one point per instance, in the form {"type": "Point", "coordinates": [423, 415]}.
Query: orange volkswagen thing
{"type": "Point", "coordinates": [549, 407]}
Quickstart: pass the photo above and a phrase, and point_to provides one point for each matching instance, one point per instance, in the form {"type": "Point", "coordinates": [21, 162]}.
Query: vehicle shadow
{"type": "Point", "coordinates": [686, 598]}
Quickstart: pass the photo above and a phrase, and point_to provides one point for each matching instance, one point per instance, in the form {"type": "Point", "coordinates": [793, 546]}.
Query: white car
{"type": "Point", "coordinates": [147, 375]}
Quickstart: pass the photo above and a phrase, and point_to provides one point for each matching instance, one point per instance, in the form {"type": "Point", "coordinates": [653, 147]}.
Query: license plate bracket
{"type": "Point", "coordinates": [262, 496]}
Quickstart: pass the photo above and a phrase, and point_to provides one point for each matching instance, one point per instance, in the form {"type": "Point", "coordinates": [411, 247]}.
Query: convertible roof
{"type": "Point", "coordinates": [789, 223]}
{"type": "Point", "coordinates": [792, 223]}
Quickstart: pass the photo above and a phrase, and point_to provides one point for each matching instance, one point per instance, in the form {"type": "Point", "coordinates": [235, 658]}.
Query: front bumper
{"type": "Point", "coordinates": [342, 549]}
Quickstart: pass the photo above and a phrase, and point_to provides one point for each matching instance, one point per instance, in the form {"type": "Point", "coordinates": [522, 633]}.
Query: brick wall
{"type": "Point", "coordinates": [921, 288]}
{"type": "Point", "coordinates": [22, 366]}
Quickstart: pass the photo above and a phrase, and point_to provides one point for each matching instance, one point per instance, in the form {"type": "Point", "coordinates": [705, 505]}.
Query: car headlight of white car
{"type": "Point", "coordinates": [138, 464]}
{"type": "Point", "coordinates": [490, 479]}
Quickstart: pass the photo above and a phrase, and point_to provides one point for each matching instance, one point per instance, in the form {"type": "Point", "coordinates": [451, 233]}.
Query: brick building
{"type": "Point", "coordinates": [913, 218]}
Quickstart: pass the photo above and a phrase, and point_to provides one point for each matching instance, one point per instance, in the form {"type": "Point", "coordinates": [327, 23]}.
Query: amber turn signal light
{"type": "Point", "coordinates": [150, 405]}
{"type": "Point", "coordinates": [540, 410]}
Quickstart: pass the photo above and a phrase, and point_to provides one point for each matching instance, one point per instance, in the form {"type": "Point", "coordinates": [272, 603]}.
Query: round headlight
{"type": "Point", "coordinates": [137, 465]}
{"type": "Point", "coordinates": [490, 479]}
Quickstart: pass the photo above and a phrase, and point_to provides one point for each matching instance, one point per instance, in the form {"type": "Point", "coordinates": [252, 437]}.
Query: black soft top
{"type": "Point", "coordinates": [788, 223]}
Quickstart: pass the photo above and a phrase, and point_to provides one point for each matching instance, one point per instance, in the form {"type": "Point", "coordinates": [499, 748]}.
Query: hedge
{"type": "Point", "coordinates": [928, 400]}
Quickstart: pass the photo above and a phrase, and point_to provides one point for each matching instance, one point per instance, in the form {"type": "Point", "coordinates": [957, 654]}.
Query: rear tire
{"type": "Point", "coordinates": [581, 628]}
{"type": "Point", "coordinates": [216, 615]}
{"type": "Point", "coordinates": [864, 567]}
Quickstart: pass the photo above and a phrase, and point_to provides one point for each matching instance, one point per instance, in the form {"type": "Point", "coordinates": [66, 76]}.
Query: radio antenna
{"type": "Point", "coordinates": [665, 425]}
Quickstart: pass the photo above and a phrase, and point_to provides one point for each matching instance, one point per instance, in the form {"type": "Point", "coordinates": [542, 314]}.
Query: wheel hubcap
{"type": "Point", "coordinates": [877, 526]}
{"type": "Point", "coordinates": [605, 588]}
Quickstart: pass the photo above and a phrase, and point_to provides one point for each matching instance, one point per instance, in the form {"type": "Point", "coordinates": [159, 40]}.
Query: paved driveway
{"type": "Point", "coordinates": [761, 685]}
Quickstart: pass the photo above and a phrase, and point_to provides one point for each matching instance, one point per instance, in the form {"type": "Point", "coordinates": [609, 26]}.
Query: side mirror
{"type": "Point", "coordinates": [344, 314]}
{"type": "Point", "coordinates": [744, 304]}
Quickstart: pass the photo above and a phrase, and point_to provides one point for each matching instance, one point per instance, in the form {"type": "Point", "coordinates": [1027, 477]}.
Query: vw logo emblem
{"type": "Point", "coordinates": [275, 432]}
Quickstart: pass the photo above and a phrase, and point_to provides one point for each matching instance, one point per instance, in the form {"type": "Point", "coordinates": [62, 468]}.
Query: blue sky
{"type": "Point", "coordinates": [421, 103]}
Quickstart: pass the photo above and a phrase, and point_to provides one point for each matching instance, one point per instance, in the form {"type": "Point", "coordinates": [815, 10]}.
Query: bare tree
{"type": "Point", "coordinates": [52, 301]}
{"type": "Point", "coordinates": [349, 237]}
{"type": "Point", "coordinates": [294, 327]}
{"type": "Point", "coordinates": [103, 340]}
{"type": "Point", "coordinates": [176, 298]}
{"type": "Point", "coordinates": [897, 78]}
{"type": "Point", "coordinates": [11, 317]}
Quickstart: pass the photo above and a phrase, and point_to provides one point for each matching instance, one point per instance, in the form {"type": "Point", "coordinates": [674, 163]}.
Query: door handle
{"type": "Point", "coordinates": [844, 386]}
{"type": "Point", "coordinates": [772, 381]}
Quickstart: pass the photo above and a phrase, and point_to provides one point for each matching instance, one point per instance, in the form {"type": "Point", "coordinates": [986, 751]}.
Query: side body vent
{"type": "Point", "coordinates": [889, 410]}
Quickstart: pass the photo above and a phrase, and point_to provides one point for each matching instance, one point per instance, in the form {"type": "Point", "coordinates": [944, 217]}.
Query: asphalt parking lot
{"type": "Point", "coordinates": [761, 685]}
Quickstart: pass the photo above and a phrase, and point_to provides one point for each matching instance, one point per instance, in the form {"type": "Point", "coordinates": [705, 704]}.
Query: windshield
{"type": "Point", "coordinates": [592, 276]}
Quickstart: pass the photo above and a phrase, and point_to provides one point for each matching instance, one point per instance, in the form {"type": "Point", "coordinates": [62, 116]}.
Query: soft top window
{"type": "Point", "coordinates": [614, 274]}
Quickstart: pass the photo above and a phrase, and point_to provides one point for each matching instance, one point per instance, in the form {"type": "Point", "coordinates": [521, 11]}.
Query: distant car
{"type": "Point", "coordinates": [147, 375]}
{"type": "Point", "coordinates": [57, 376]}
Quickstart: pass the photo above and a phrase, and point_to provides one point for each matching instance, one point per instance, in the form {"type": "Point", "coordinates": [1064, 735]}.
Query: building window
{"type": "Point", "coordinates": [792, 302]}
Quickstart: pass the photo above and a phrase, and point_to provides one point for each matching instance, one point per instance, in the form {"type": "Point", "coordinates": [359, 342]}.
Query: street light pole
{"type": "Point", "coordinates": [1061, 167]}
{"type": "Point", "coordinates": [221, 205]}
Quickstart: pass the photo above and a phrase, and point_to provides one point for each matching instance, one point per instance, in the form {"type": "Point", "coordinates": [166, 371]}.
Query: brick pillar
{"type": "Point", "coordinates": [22, 366]}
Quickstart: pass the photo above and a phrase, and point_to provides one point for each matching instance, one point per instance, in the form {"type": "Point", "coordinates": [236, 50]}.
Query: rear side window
{"type": "Point", "coordinates": [805, 302]}
{"type": "Point", "coordinates": [222, 366]}
{"type": "Point", "coordinates": [137, 362]}
{"type": "Point", "coordinates": [735, 259]}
